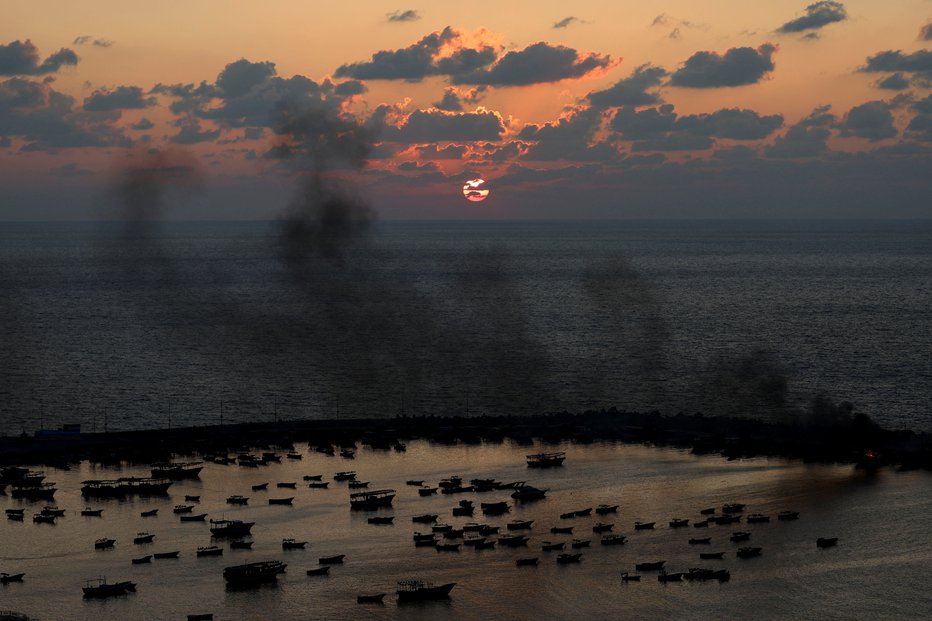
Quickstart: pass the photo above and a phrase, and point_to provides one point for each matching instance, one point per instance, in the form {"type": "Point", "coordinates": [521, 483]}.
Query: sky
{"type": "Point", "coordinates": [583, 110]}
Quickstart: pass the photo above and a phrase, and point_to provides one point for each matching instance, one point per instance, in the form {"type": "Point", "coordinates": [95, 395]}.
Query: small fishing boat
{"type": "Point", "coordinates": [337, 559]}
{"type": "Point", "coordinates": [294, 455]}
{"type": "Point", "coordinates": [748, 552]}
{"type": "Point", "coordinates": [758, 518]}
{"type": "Point", "coordinates": [644, 525]}
{"type": "Point", "coordinates": [292, 544]}
{"type": "Point", "coordinates": [141, 538]}
{"type": "Point", "coordinates": [319, 571]}
{"type": "Point", "coordinates": [53, 511]}
{"type": "Point", "coordinates": [281, 501]}
{"type": "Point", "coordinates": [372, 500]}
{"type": "Point", "coordinates": [671, 577]}
{"type": "Point", "coordinates": [150, 513]}
{"type": "Point", "coordinates": [526, 561]}
{"type": "Point", "coordinates": [358, 484]}
{"type": "Point", "coordinates": [613, 540]}
{"type": "Point", "coordinates": [606, 509]}
{"type": "Point", "coordinates": [286, 484]}
{"type": "Point", "coordinates": [200, 517]}
{"type": "Point", "coordinates": [241, 545]}
{"type": "Point", "coordinates": [513, 541]}
{"type": "Point", "coordinates": [547, 546]}
{"type": "Point", "coordinates": [711, 555]}
{"type": "Point", "coordinates": [709, 511]}
{"type": "Point", "coordinates": [415, 482]}
{"type": "Point", "coordinates": [546, 460]}
{"type": "Point", "coordinates": [734, 507]}
{"type": "Point", "coordinates": [183, 509]}
{"type": "Point", "coordinates": [519, 525]}
{"type": "Point", "coordinates": [201, 616]}
{"type": "Point", "coordinates": [348, 475]}
{"type": "Point", "coordinates": [599, 527]}
{"type": "Point", "coordinates": [740, 536]}
{"type": "Point", "coordinates": [192, 498]}
{"type": "Point", "coordinates": [370, 599]}
{"type": "Point", "coordinates": [230, 528]}
{"type": "Point", "coordinates": [209, 551]}
{"type": "Point", "coordinates": [565, 559]}
{"type": "Point", "coordinates": [6, 578]}
{"type": "Point", "coordinates": [494, 508]}
{"type": "Point", "coordinates": [164, 555]}
{"type": "Point", "coordinates": [426, 491]}
{"type": "Point", "coordinates": [788, 515]}
{"type": "Point", "coordinates": [318, 485]}
{"type": "Point", "coordinates": [41, 518]}
{"type": "Point", "coordinates": [313, 477]}
{"type": "Point", "coordinates": [649, 566]}
{"type": "Point", "coordinates": [237, 500]}
{"type": "Point", "coordinates": [88, 512]}
{"type": "Point", "coordinates": [700, 540]}
{"type": "Point", "coordinates": [561, 530]}
{"type": "Point", "coordinates": [101, 588]}
{"type": "Point", "coordinates": [142, 559]}
{"type": "Point", "coordinates": [679, 522]}
{"type": "Point", "coordinates": [826, 542]}
{"type": "Point", "coordinates": [420, 590]}
{"type": "Point", "coordinates": [701, 524]}
{"type": "Point", "coordinates": [348, 454]}
{"type": "Point", "coordinates": [104, 543]}
{"type": "Point", "coordinates": [426, 518]}
{"type": "Point", "coordinates": [253, 574]}
{"type": "Point", "coordinates": [381, 519]}
{"type": "Point", "coordinates": [260, 487]}
{"type": "Point", "coordinates": [626, 577]}
{"type": "Point", "coordinates": [581, 543]}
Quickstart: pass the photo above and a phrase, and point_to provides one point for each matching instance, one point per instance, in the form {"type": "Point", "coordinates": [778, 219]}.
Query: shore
{"type": "Point", "coordinates": [856, 440]}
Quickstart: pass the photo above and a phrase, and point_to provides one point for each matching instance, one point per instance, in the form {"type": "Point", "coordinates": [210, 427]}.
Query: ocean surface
{"type": "Point", "coordinates": [878, 570]}
{"type": "Point", "coordinates": [197, 323]}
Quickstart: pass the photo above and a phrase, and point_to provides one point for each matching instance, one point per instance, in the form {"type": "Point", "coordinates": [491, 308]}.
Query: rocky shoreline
{"type": "Point", "coordinates": [854, 440]}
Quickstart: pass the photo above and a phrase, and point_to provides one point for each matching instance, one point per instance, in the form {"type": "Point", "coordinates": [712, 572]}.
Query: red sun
{"type": "Point", "coordinates": [474, 190]}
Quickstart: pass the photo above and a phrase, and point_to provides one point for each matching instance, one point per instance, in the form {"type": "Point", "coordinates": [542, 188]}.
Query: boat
{"type": "Point", "coordinates": [370, 599]}
{"type": "Point", "coordinates": [748, 552]}
{"type": "Point", "coordinates": [318, 485]}
{"type": "Point", "coordinates": [826, 542]}
{"type": "Point", "coordinates": [426, 491]}
{"type": "Point", "coordinates": [313, 477]}
{"type": "Point", "coordinates": [201, 616]}
{"type": "Point", "coordinates": [192, 498]}
{"type": "Point", "coordinates": [104, 589]}
{"type": "Point", "coordinates": [16, 517]}
{"type": "Point", "coordinates": [381, 519]}
{"type": "Point", "coordinates": [286, 484]}
{"type": "Point", "coordinates": [447, 547]}
{"type": "Point", "coordinates": [700, 573]}
{"type": "Point", "coordinates": [294, 455]}
{"type": "Point", "coordinates": [526, 493]}
{"type": "Point", "coordinates": [142, 559]}
{"type": "Point", "coordinates": [649, 566]}
{"type": "Point", "coordinates": [319, 571]}
{"type": "Point", "coordinates": [230, 528]}
{"type": "Point", "coordinates": [711, 555]}
{"type": "Point", "coordinates": [200, 517]}
{"type": "Point", "coordinates": [565, 559]}
{"type": "Point", "coordinates": [237, 500]}
{"type": "Point", "coordinates": [561, 530]}
{"type": "Point", "coordinates": [260, 487]}
{"type": "Point", "coordinates": [291, 544]}
{"type": "Point", "coordinates": [420, 590]}
{"type": "Point", "coordinates": [415, 482]}
{"type": "Point", "coordinates": [606, 509]}
{"type": "Point", "coordinates": [177, 470]}
{"type": "Point", "coordinates": [739, 536]}
{"type": "Point", "coordinates": [725, 519]}
{"type": "Point", "coordinates": [183, 509]}
{"type": "Point", "coordinates": [348, 454]}
{"type": "Point", "coordinates": [88, 512]}
{"type": "Point", "coordinates": [150, 513]}
{"type": "Point", "coordinates": [547, 546]}
{"type": "Point", "coordinates": [426, 518]}
{"type": "Point", "coordinates": [40, 518]}
{"type": "Point", "coordinates": [599, 527]}
{"type": "Point", "coordinates": [513, 541]}
{"type": "Point", "coordinates": [270, 457]}
{"type": "Point", "coordinates": [521, 562]}
{"type": "Point", "coordinates": [6, 578]}
{"type": "Point", "coordinates": [53, 511]}
{"type": "Point", "coordinates": [42, 491]}
{"type": "Point", "coordinates": [613, 540]}
{"type": "Point", "coordinates": [699, 540]}
{"type": "Point", "coordinates": [143, 538]}
{"type": "Point", "coordinates": [758, 518]}
{"type": "Point", "coordinates": [164, 555]}
{"type": "Point", "coordinates": [708, 511]}
{"type": "Point", "coordinates": [336, 559]}
{"type": "Point", "coordinates": [15, 511]}
{"type": "Point", "coordinates": [644, 525]}
{"type": "Point", "coordinates": [104, 543]}
{"type": "Point", "coordinates": [474, 541]}
{"type": "Point", "coordinates": [241, 545]}
{"type": "Point", "coordinates": [463, 511]}
{"type": "Point", "coordinates": [546, 460]}
{"type": "Point", "coordinates": [734, 507]}
{"type": "Point", "coordinates": [209, 551]}
{"type": "Point", "coordinates": [125, 486]}
{"type": "Point", "coordinates": [788, 515]}
{"type": "Point", "coordinates": [581, 543]}
{"type": "Point", "coordinates": [281, 501]}
{"type": "Point", "coordinates": [626, 577]}
{"type": "Point", "coordinates": [519, 525]}
{"type": "Point", "coordinates": [671, 577]}
{"type": "Point", "coordinates": [372, 500]}
{"type": "Point", "coordinates": [348, 475]}
{"type": "Point", "coordinates": [701, 524]}
{"type": "Point", "coordinates": [679, 522]}
{"type": "Point", "coordinates": [358, 484]}
{"type": "Point", "coordinates": [494, 508]}
{"type": "Point", "coordinates": [252, 574]}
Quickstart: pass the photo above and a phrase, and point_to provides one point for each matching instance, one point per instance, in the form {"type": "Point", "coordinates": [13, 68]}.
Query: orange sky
{"type": "Point", "coordinates": [190, 42]}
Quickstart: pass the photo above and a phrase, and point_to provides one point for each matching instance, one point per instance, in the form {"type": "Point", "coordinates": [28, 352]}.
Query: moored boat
{"type": "Point", "coordinates": [104, 543]}
{"type": "Point", "coordinates": [251, 574]}
{"type": "Point", "coordinates": [748, 552]}
{"type": "Point", "coordinates": [237, 500]}
{"type": "Point", "coordinates": [372, 500]}
{"type": "Point", "coordinates": [293, 544]}
{"type": "Point", "coordinates": [519, 524]}
{"type": "Point", "coordinates": [6, 578]}
{"type": "Point", "coordinates": [644, 525]}
{"type": "Point", "coordinates": [281, 501]}
{"type": "Point", "coordinates": [565, 559]}
{"type": "Point", "coordinates": [375, 598]}
{"type": "Point", "coordinates": [142, 559]}
{"type": "Point", "coordinates": [200, 517]}
{"type": "Point", "coordinates": [336, 559]}
{"type": "Point", "coordinates": [826, 542]}
{"type": "Point", "coordinates": [88, 512]}
{"type": "Point", "coordinates": [546, 460]}
{"type": "Point", "coordinates": [101, 588]}
{"type": "Point", "coordinates": [650, 566]}
{"type": "Point", "coordinates": [164, 555]}
{"type": "Point", "coordinates": [788, 515]}
{"type": "Point", "coordinates": [319, 571]}
{"type": "Point", "coordinates": [141, 538]}
{"type": "Point", "coordinates": [209, 551]}
{"type": "Point", "coordinates": [606, 509]}
{"type": "Point", "coordinates": [177, 470]}
{"type": "Point", "coordinates": [711, 555]}
{"type": "Point", "coordinates": [420, 590]}
{"type": "Point", "coordinates": [230, 528]}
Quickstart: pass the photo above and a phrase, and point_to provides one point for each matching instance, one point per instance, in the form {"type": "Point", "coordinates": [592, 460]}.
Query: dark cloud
{"type": "Point", "coordinates": [190, 132]}
{"type": "Point", "coordinates": [818, 15]}
{"type": "Point", "coordinates": [808, 138]}
{"type": "Point", "coordinates": [737, 67]}
{"type": "Point", "coordinates": [416, 167]}
{"type": "Point", "coordinates": [894, 82]}
{"type": "Point", "coordinates": [434, 152]}
{"type": "Point", "coordinates": [89, 40]}
{"type": "Point", "coordinates": [925, 33]}
{"type": "Point", "coordinates": [47, 119]}
{"type": "Point", "coordinates": [920, 126]}
{"type": "Point", "coordinates": [427, 57]}
{"type": "Point", "coordinates": [70, 170]}
{"type": "Point", "coordinates": [536, 64]}
{"type": "Point", "coordinates": [731, 123]}
{"type": "Point", "coordinates": [918, 62]}
{"type": "Point", "coordinates": [423, 126]}
{"type": "Point", "coordinates": [454, 98]}
{"type": "Point", "coordinates": [143, 124]}
{"type": "Point", "coordinates": [631, 91]}
{"type": "Point", "coordinates": [872, 120]}
{"type": "Point", "coordinates": [239, 77]}
{"type": "Point", "coordinates": [571, 138]}
{"type": "Point", "coordinates": [409, 15]}
{"type": "Point", "coordinates": [120, 98]}
{"type": "Point", "coordinates": [22, 58]}
{"type": "Point", "coordinates": [567, 21]}
{"type": "Point", "coordinates": [660, 129]}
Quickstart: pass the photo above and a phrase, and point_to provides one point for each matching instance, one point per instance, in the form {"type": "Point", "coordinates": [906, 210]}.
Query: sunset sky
{"type": "Point", "coordinates": [588, 109]}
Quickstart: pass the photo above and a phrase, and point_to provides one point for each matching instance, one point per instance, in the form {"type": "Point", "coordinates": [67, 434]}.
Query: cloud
{"type": "Point", "coordinates": [872, 120]}
{"type": "Point", "coordinates": [536, 64]}
{"type": "Point", "coordinates": [737, 67]}
{"type": "Point", "coordinates": [143, 124]}
{"type": "Point", "coordinates": [409, 15]}
{"type": "Point", "coordinates": [120, 98]}
{"type": "Point", "coordinates": [70, 170]}
{"type": "Point", "coordinates": [440, 53]}
{"type": "Point", "coordinates": [818, 15]}
{"type": "Point", "coordinates": [425, 126]}
{"type": "Point", "coordinates": [454, 98]}
{"type": "Point", "coordinates": [920, 126]}
{"type": "Point", "coordinates": [47, 119]}
{"type": "Point", "coordinates": [631, 91]}
{"type": "Point", "coordinates": [660, 129]}
{"type": "Point", "coordinates": [190, 132]}
{"type": "Point", "coordinates": [925, 33]}
{"type": "Point", "coordinates": [434, 152]}
{"type": "Point", "coordinates": [22, 58]}
{"type": "Point", "coordinates": [807, 138]}
{"type": "Point", "coordinates": [567, 21]}
{"type": "Point", "coordinates": [894, 82]}
{"type": "Point", "coordinates": [89, 40]}
{"type": "Point", "coordinates": [571, 138]}
{"type": "Point", "coordinates": [919, 62]}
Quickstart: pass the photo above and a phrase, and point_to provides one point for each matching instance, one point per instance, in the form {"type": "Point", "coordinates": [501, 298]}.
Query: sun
{"type": "Point", "coordinates": [474, 190]}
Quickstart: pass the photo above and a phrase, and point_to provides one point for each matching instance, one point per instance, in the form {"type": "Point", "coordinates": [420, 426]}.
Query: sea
{"type": "Point", "coordinates": [190, 324]}
{"type": "Point", "coordinates": [118, 327]}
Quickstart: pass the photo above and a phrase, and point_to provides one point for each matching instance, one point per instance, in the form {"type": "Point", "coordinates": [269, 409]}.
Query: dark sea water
{"type": "Point", "coordinates": [183, 324]}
